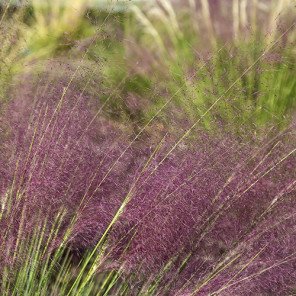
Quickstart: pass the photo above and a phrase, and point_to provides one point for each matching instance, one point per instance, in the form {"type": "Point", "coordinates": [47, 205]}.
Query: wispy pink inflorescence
{"type": "Point", "coordinates": [60, 156]}
{"type": "Point", "coordinates": [223, 210]}
{"type": "Point", "coordinates": [216, 201]}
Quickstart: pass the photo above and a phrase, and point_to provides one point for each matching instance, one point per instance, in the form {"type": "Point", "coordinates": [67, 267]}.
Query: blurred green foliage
{"type": "Point", "coordinates": [155, 58]}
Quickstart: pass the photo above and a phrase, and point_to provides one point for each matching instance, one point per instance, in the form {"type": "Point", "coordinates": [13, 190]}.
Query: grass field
{"type": "Point", "coordinates": [148, 149]}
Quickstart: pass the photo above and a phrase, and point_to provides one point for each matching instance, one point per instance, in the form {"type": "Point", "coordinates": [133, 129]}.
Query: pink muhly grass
{"type": "Point", "coordinates": [214, 202]}
{"type": "Point", "coordinates": [222, 210]}
{"type": "Point", "coordinates": [60, 159]}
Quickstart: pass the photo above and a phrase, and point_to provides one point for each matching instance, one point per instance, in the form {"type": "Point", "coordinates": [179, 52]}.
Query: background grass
{"type": "Point", "coordinates": [155, 55]}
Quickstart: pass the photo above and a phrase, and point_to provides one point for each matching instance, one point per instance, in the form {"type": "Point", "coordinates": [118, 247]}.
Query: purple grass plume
{"type": "Point", "coordinates": [214, 215]}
